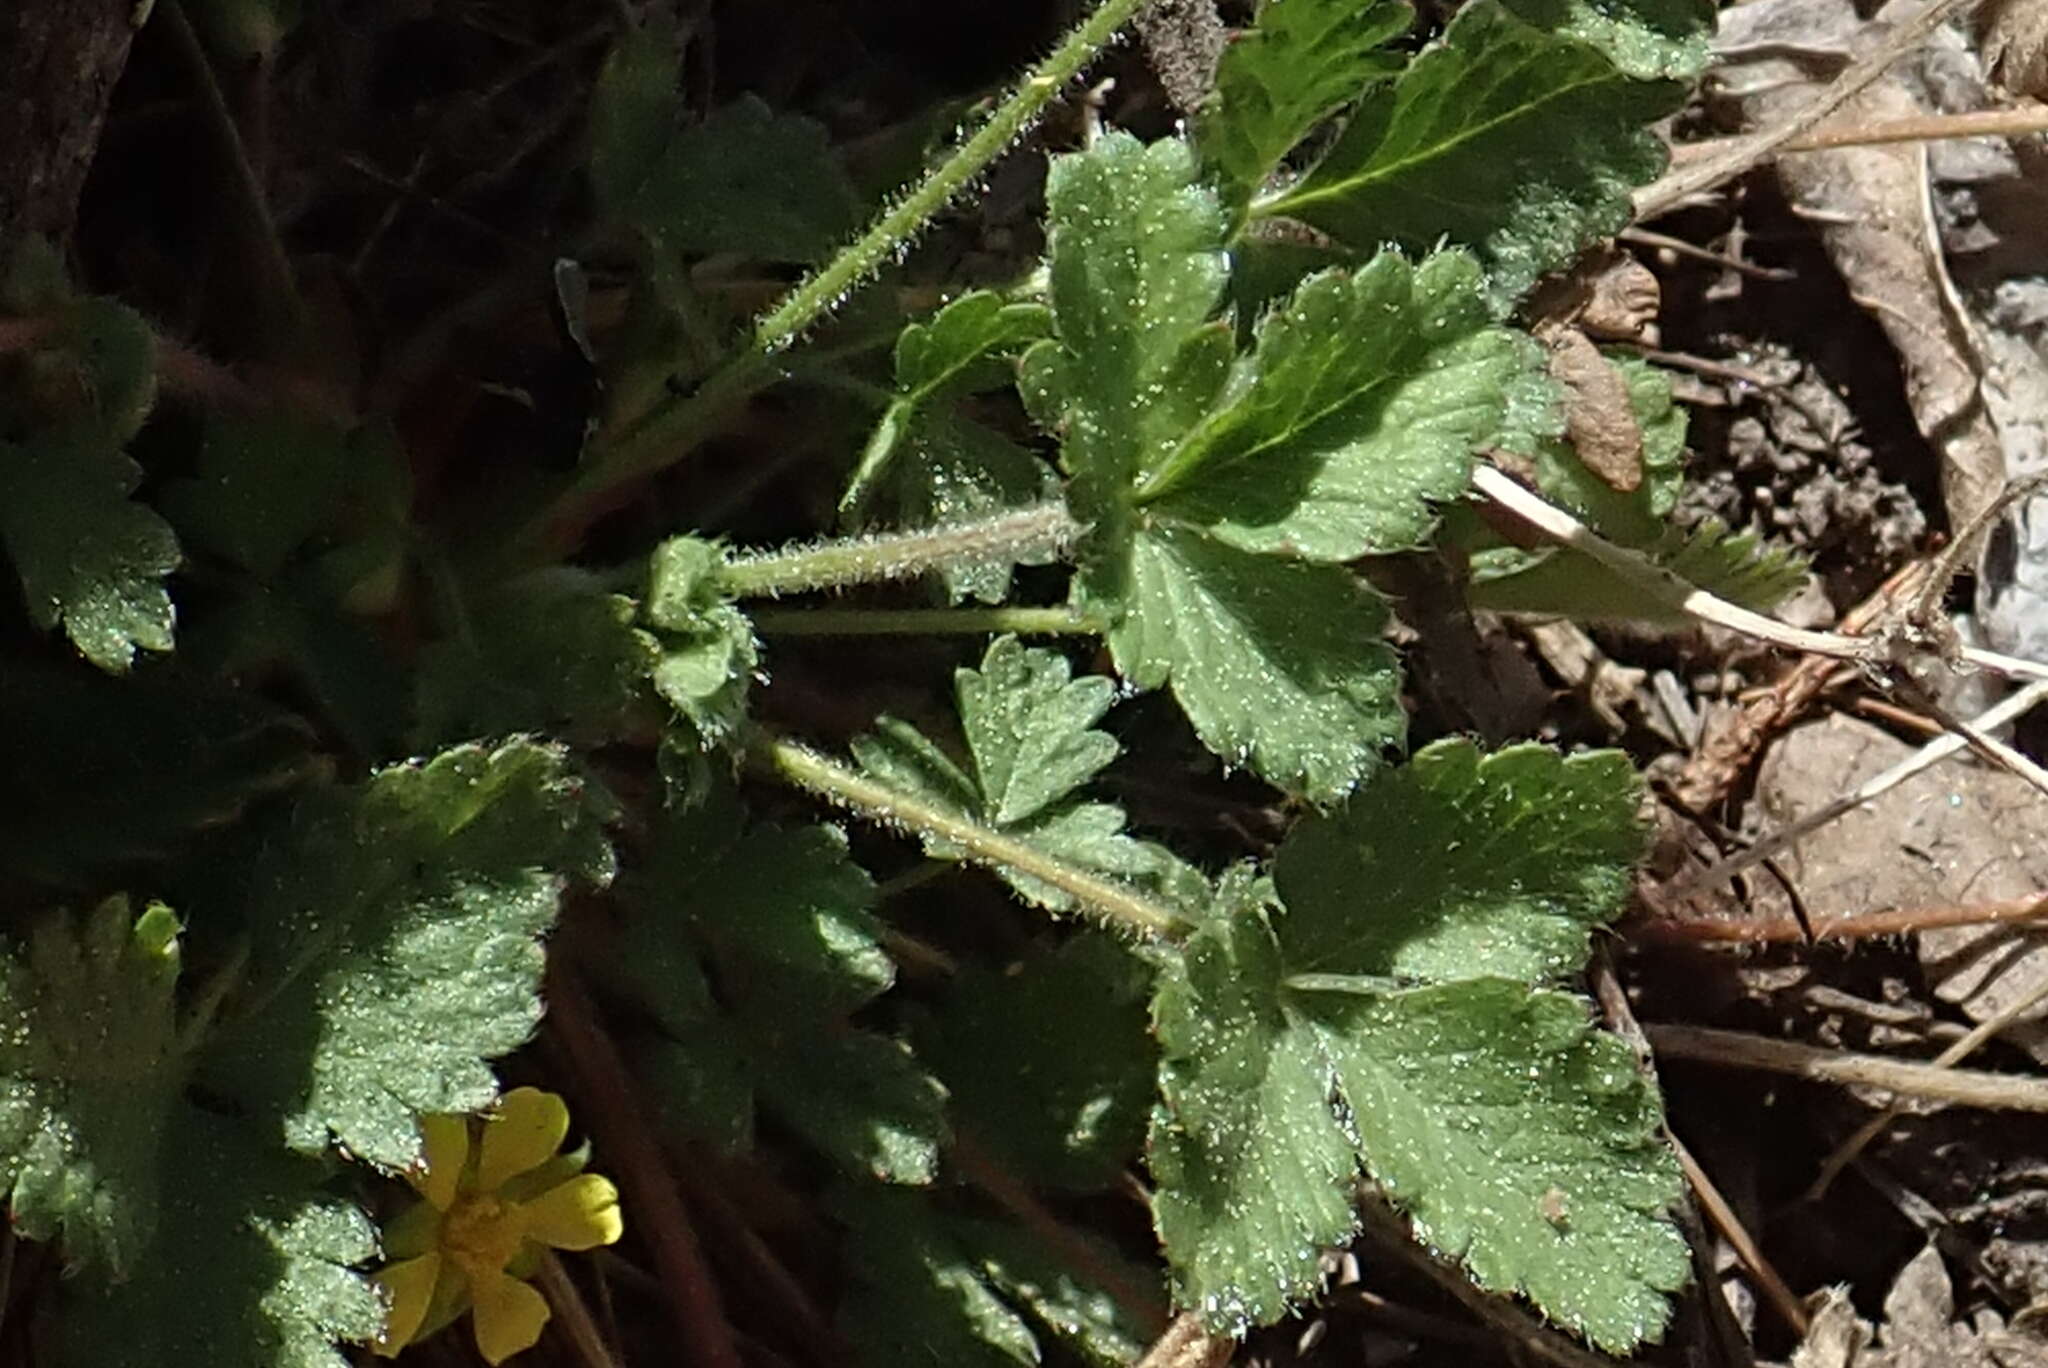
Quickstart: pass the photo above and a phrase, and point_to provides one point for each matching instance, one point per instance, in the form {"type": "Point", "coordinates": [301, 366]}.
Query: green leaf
{"type": "Point", "coordinates": [251, 1267]}
{"type": "Point", "coordinates": [1252, 1172]}
{"type": "Point", "coordinates": [1357, 412]}
{"type": "Point", "coordinates": [89, 1069]}
{"type": "Point", "coordinates": [959, 351]}
{"type": "Point", "coordinates": [708, 651]}
{"type": "Point", "coordinates": [1522, 853]}
{"type": "Point", "coordinates": [549, 652]}
{"type": "Point", "coordinates": [1520, 1140]}
{"type": "Point", "coordinates": [1031, 736]}
{"type": "Point", "coordinates": [633, 113]}
{"type": "Point", "coordinates": [919, 1297]}
{"type": "Point", "coordinates": [944, 469]}
{"type": "Point", "coordinates": [745, 180]}
{"type": "Point", "coordinates": [1277, 663]}
{"type": "Point", "coordinates": [1386, 1019]}
{"type": "Point", "coordinates": [128, 769]}
{"type": "Point", "coordinates": [1049, 1062]}
{"type": "Point", "coordinates": [1519, 143]}
{"type": "Point", "coordinates": [1137, 268]}
{"type": "Point", "coordinates": [87, 555]}
{"type": "Point", "coordinates": [1300, 62]}
{"type": "Point", "coordinates": [781, 916]}
{"type": "Point", "coordinates": [1646, 39]}
{"type": "Point", "coordinates": [1738, 566]}
{"type": "Point", "coordinates": [398, 944]}
{"type": "Point", "coordinates": [1063, 1304]}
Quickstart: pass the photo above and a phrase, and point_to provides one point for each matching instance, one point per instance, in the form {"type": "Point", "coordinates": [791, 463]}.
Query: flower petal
{"type": "Point", "coordinates": [409, 1288]}
{"type": "Point", "coordinates": [509, 1315]}
{"type": "Point", "coordinates": [523, 1133]}
{"type": "Point", "coordinates": [444, 1150]}
{"type": "Point", "coordinates": [582, 1213]}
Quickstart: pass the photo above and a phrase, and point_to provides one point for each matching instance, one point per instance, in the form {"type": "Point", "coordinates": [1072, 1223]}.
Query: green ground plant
{"type": "Point", "coordinates": [258, 931]}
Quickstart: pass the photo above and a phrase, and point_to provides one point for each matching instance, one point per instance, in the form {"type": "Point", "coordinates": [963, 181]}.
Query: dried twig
{"type": "Point", "coordinates": [1889, 921]}
{"type": "Point", "coordinates": [1910, 1078]}
{"type": "Point", "coordinates": [1980, 123]}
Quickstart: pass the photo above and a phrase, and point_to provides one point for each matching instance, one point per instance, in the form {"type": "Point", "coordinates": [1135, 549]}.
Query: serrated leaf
{"type": "Point", "coordinates": [1300, 62]}
{"type": "Point", "coordinates": [265, 484]}
{"type": "Point", "coordinates": [1738, 566]}
{"type": "Point", "coordinates": [782, 917]}
{"type": "Point", "coordinates": [1520, 1140]}
{"type": "Point", "coordinates": [708, 651]}
{"type": "Point", "coordinates": [1252, 1174]}
{"type": "Point", "coordinates": [1521, 853]}
{"type": "Point", "coordinates": [746, 180]}
{"type": "Point", "coordinates": [1049, 1062]}
{"type": "Point", "coordinates": [128, 769]}
{"type": "Point", "coordinates": [922, 450]}
{"type": "Point", "coordinates": [398, 943]}
{"type": "Point", "coordinates": [87, 555]}
{"type": "Point", "coordinates": [1031, 738]}
{"type": "Point", "coordinates": [1519, 143]}
{"type": "Point", "coordinates": [549, 652]}
{"type": "Point", "coordinates": [89, 1070]}
{"type": "Point", "coordinates": [1646, 39]}
{"type": "Point", "coordinates": [1063, 1304]}
{"type": "Point", "coordinates": [1277, 663]}
{"type": "Point", "coordinates": [1356, 413]}
{"type": "Point", "coordinates": [1299, 1046]}
{"type": "Point", "coordinates": [274, 1287]}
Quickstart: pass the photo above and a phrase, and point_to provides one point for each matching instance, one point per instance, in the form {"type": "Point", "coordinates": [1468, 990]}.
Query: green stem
{"type": "Point", "coordinates": [824, 291]}
{"type": "Point", "coordinates": [835, 783]}
{"type": "Point", "coordinates": [673, 430]}
{"type": "Point", "coordinates": [921, 621]}
{"type": "Point", "coordinates": [1040, 529]}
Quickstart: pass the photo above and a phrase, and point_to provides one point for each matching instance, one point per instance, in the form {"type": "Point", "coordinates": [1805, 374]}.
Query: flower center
{"type": "Point", "coordinates": [482, 1231]}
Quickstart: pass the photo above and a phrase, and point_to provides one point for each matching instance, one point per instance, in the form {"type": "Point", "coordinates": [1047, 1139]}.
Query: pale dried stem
{"type": "Point", "coordinates": [1908, 1078]}
{"type": "Point", "coordinates": [1981, 123]}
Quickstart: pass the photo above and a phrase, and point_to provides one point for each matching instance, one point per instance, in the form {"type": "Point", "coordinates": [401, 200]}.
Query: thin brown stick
{"type": "Point", "coordinates": [1665, 242]}
{"type": "Point", "coordinates": [1188, 1343]}
{"type": "Point", "coordinates": [1753, 149]}
{"type": "Point", "coordinates": [1981, 123]}
{"type": "Point", "coordinates": [610, 1109]}
{"type": "Point", "coordinates": [1910, 1078]}
{"type": "Point", "coordinates": [572, 1315]}
{"type": "Point", "coordinates": [1760, 1269]}
{"type": "Point", "coordinates": [1851, 926]}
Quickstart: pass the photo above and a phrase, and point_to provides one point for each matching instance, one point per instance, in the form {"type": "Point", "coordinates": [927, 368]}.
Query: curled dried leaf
{"type": "Point", "coordinates": [1597, 416]}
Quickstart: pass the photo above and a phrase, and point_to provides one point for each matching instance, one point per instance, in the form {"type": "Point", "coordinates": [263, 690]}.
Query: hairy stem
{"type": "Point", "coordinates": [1041, 529]}
{"type": "Point", "coordinates": [1114, 902]}
{"type": "Point", "coordinates": [673, 430]}
{"type": "Point", "coordinates": [921, 621]}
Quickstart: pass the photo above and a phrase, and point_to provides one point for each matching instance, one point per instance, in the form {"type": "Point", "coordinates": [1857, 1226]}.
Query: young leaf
{"type": "Point", "coordinates": [1277, 663]}
{"type": "Point", "coordinates": [1030, 732]}
{"type": "Point", "coordinates": [782, 916]}
{"type": "Point", "coordinates": [1300, 62]}
{"type": "Point", "coordinates": [1355, 415]}
{"type": "Point", "coordinates": [1646, 39]}
{"type": "Point", "coordinates": [1520, 1139]}
{"type": "Point", "coordinates": [1049, 1062]}
{"type": "Point", "coordinates": [633, 113]}
{"type": "Point", "coordinates": [959, 351]}
{"type": "Point", "coordinates": [745, 180]}
{"type": "Point", "coordinates": [708, 651]}
{"type": "Point", "coordinates": [88, 556]}
{"type": "Point", "coordinates": [265, 484]}
{"type": "Point", "coordinates": [550, 652]}
{"type": "Point", "coordinates": [89, 1069]}
{"type": "Point", "coordinates": [398, 943]}
{"type": "Point", "coordinates": [274, 1287]}
{"type": "Point", "coordinates": [1519, 143]}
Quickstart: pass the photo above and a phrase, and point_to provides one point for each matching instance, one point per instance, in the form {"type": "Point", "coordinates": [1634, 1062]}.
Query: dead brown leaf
{"type": "Point", "coordinates": [1597, 416]}
{"type": "Point", "coordinates": [2013, 36]}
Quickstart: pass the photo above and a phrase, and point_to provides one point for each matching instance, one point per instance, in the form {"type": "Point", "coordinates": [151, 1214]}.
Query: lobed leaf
{"type": "Point", "coordinates": [1519, 143]}
{"type": "Point", "coordinates": [1031, 738]}
{"type": "Point", "coordinates": [1277, 663]}
{"type": "Point", "coordinates": [708, 651]}
{"type": "Point", "coordinates": [1646, 39]}
{"type": "Point", "coordinates": [397, 948]}
{"type": "Point", "coordinates": [89, 1071]}
{"type": "Point", "coordinates": [1300, 62]}
{"type": "Point", "coordinates": [1384, 1021]}
{"type": "Point", "coordinates": [1738, 566]}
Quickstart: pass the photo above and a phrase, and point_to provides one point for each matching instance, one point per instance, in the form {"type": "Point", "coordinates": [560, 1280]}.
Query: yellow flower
{"type": "Point", "coordinates": [493, 1193]}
